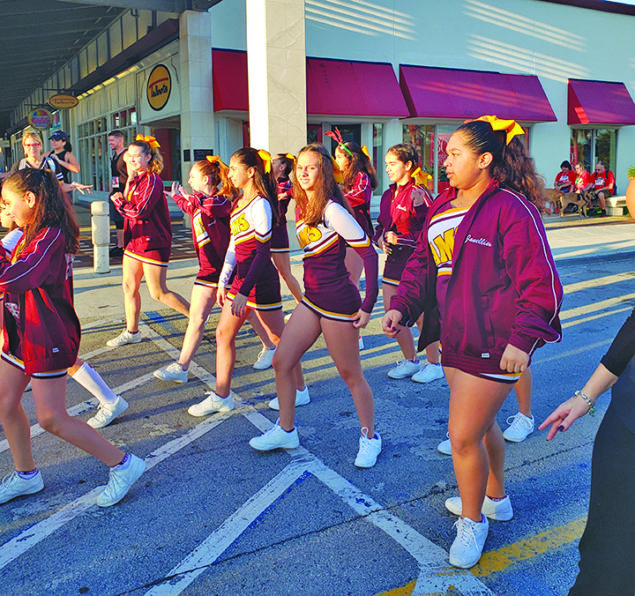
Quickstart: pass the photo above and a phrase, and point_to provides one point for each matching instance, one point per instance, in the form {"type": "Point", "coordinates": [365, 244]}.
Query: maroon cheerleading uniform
{"type": "Point", "coordinates": [147, 229]}
{"type": "Point", "coordinates": [358, 197]}
{"type": "Point", "coordinates": [249, 252]}
{"type": "Point", "coordinates": [398, 214]}
{"type": "Point", "coordinates": [279, 234]}
{"type": "Point", "coordinates": [328, 290]}
{"type": "Point", "coordinates": [210, 233]}
{"type": "Point", "coordinates": [41, 330]}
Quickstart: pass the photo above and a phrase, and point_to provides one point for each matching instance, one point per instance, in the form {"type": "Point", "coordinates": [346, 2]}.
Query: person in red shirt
{"type": "Point", "coordinates": [603, 185]}
{"type": "Point", "coordinates": [565, 179]}
{"type": "Point", "coordinates": [578, 199]}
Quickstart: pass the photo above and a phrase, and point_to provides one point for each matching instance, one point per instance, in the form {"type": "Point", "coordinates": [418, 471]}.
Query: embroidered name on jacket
{"type": "Point", "coordinates": [481, 241]}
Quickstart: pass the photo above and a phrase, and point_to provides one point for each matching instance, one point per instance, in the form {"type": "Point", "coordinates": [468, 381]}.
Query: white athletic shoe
{"type": "Point", "coordinates": [369, 449]}
{"type": "Point", "coordinates": [106, 413]}
{"type": "Point", "coordinates": [302, 398]}
{"type": "Point", "coordinates": [120, 481]}
{"type": "Point", "coordinates": [360, 343]}
{"type": "Point", "coordinates": [496, 510]}
{"type": "Point", "coordinates": [520, 427]}
{"type": "Point", "coordinates": [404, 369]}
{"type": "Point", "coordinates": [125, 337]}
{"type": "Point", "coordinates": [265, 358]}
{"type": "Point", "coordinates": [276, 438]}
{"type": "Point", "coordinates": [468, 545]}
{"type": "Point", "coordinates": [13, 485]}
{"type": "Point", "coordinates": [445, 447]}
{"type": "Point", "coordinates": [172, 372]}
{"type": "Point", "coordinates": [212, 403]}
{"type": "Point", "coordinates": [429, 372]}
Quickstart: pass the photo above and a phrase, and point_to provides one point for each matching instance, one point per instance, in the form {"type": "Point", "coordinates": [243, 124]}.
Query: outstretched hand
{"type": "Point", "coordinates": [564, 416]}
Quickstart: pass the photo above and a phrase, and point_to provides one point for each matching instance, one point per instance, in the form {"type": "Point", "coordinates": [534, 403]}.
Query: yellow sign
{"type": "Point", "coordinates": [63, 101]}
{"type": "Point", "coordinates": [159, 87]}
{"type": "Point", "coordinates": [40, 118]}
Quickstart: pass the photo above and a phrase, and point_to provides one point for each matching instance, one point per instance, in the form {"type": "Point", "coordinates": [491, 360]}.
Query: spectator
{"type": "Point", "coordinates": [603, 185]}
{"type": "Point", "coordinates": [62, 153]}
{"type": "Point", "coordinates": [565, 179]}
{"type": "Point", "coordinates": [119, 173]}
{"type": "Point", "coordinates": [577, 199]}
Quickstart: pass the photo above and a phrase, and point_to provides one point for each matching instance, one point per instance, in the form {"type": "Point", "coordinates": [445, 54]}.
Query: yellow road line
{"type": "Point", "coordinates": [527, 548]}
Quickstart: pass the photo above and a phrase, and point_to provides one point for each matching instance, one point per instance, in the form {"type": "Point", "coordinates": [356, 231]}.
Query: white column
{"type": "Point", "coordinates": [276, 59]}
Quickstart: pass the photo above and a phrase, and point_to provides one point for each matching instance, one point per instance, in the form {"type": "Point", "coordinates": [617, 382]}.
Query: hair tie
{"type": "Point", "coordinates": [421, 178]}
{"type": "Point", "coordinates": [337, 173]}
{"type": "Point", "coordinates": [511, 127]}
{"type": "Point", "coordinates": [337, 137]}
{"type": "Point", "coordinates": [149, 139]}
{"type": "Point", "coordinates": [266, 158]}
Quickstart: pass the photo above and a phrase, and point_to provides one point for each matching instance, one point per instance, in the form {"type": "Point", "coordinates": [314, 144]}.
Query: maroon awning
{"type": "Point", "coordinates": [599, 102]}
{"type": "Point", "coordinates": [452, 93]}
{"type": "Point", "coordinates": [334, 87]}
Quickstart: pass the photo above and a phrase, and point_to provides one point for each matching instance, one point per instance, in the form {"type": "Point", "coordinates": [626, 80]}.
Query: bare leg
{"type": "Point", "coordinates": [283, 264]}
{"type": "Point", "coordinates": [523, 393]}
{"type": "Point", "coordinates": [203, 300]}
{"type": "Point", "coordinates": [226, 332]}
{"type": "Point", "coordinates": [432, 353]}
{"type": "Point", "coordinates": [156, 278]}
{"type": "Point", "coordinates": [266, 341]}
{"type": "Point", "coordinates": [404, 337]}
{"type": "Point", "coordinates": [341, 341]}
{"type": "Point", "coordinates": [478, 448]}
{"type": "Point", "coordinates": [299, 335]}
{"type": "Point", "coordinates": [132, 272]}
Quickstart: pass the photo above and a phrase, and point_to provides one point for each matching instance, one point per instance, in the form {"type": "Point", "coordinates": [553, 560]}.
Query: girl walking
{"type": "Point", "coordinates": [484, 277]}
{"type": "Point", "coordinates": [256, 285]}
{"type": "Point", "coordinates": [42, 335]}
{"type": "Point", "coordinates": [331, 304]}
{"type": "Point", "coordinates": [209, 207]}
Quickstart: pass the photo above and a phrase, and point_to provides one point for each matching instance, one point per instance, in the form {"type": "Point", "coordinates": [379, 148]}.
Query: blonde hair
{"type": "Point", "coordinates": [31, 134]}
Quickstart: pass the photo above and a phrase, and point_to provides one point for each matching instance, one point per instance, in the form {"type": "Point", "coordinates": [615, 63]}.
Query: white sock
{"type": "Point", "coordinates": [91, 380]}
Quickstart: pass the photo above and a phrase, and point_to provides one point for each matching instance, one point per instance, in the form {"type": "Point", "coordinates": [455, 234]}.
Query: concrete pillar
{"type": "Point", "coordinates": [195, 85]}
{"type": "Point", "coordinates": [100, 229]}
{"type": "Point", "coordinates": [276, 59]}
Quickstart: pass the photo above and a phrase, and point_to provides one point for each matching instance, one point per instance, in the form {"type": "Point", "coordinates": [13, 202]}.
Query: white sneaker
{"type": "Point", "coordinates": [265, 358]}
{"type": "Point", "coordinates": [496, 510]}
{"type": "Point", "coordinates": [360, 343]}
{"type": "Point", "coordinates": [445, 447]}
{"type": "Point", "coordinates": [125, 337]}
{"type": "Point", "coordinates": [172, 372]}
{"type": "Point", "coordinates": [212, 403]}
{"type": "Point", "coordinates": [369, 449]}
{"type": "Point", "coordinates": [106, 413]}
{"type": "Point", "coordinates": [302, 398]}
{"type": "Point", "coordinates": [287, 317]}
{"type": "Point", "coordinates": [520, 427]}
{"type": "Point", "coordinates": [13, 486]}
{"type": "Point", "coordinates": [429, 372]}
{"type": "Point", "coordinates": [276, 438]}
{"type": "Point", "coordinates": [404, 369]}
{"type": "Point", "coordinates": [468, 545]}
{"type": "Point", "coordinates": [120, 481]}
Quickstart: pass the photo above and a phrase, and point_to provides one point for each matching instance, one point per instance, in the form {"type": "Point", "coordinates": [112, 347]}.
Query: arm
{"type": "Point", "coordinates": [70, 163]}
{"type": "Point", "coordinates": [216, 206]}
{"type": "Point", "coordinates": [359, 193]}
{"type": "Point", "coordinates": [261, 214]}
{"type": "Point", "coordinates": [187, 203]}
{"type": "Point", "coordinates": [143, 199]}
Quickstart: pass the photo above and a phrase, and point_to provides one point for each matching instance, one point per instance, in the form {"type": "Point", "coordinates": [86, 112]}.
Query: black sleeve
{"type": "Point", "coordinates": [622, 349]}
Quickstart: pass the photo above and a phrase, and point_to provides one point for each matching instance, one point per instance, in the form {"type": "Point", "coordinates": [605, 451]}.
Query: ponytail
{"type": "Point", "coordinates": [263, 178]}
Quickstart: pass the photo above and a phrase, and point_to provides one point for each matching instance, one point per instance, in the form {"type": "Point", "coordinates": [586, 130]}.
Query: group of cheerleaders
{"type": "Point", "coordinates": [476, 258]}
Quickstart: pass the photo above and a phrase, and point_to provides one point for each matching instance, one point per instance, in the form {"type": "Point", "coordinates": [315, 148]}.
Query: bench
{"type": "Point", "coordinates": [616, 205]}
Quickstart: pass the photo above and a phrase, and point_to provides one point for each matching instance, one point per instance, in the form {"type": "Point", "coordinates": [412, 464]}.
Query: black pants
{"type": "Point", "coordinates": [607, 547]}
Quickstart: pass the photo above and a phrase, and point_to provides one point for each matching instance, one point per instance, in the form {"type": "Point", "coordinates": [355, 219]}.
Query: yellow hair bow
{"type": "Point", "coordinates": [266, 157]}
{"type": "Point", "coordinates": [337, 173]}
{"type": "Point", "coordinates": [149, 139]}
{"type": "Point", "coordinates": [365, 151]}
{"type": "Point", "coordinates": [215, 159]}
{"type": "Point", "coordinates": [421, 178]}
{"type": "Point", "coordinates": [291, 157]}
{"type": "Point", "coordinates": [511, 127]}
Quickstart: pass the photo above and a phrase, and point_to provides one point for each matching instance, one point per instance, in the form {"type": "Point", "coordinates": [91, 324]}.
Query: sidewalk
{"type": "Point", "coordinates": [99, 295]}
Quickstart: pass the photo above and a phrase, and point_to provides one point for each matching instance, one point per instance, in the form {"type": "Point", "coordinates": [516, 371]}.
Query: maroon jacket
{"type": "Point", "coordinates": [504, 287]}
{"type": "Point", "coordinates": [40, 324]}
{"type": "Point", "coordinates": [147, 223]}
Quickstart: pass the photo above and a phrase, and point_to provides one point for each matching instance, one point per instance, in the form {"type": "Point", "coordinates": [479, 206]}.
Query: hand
{"type": "Point", "coordinates": [221, 293]}
{"type": "Point", "coordinates": [116, 195]}
{"type": "Point", "coordinates": [564, 416]}
{"type": "Point", "coordinates": [362, 319]}
{"type": "Point", "coordinates": [514, 360]}
{"type": "Point", "coordinates": [418, 196]}
{"type": "Point", "coordinates": [176, 188]}
{"type": "Point", "coordinates": [391, 238]}
{"type": "Point", "coordinates": [82, 187]}
{"type": "Point", "coordinates": [239, 305]}
{"type": "Point", "coordinates": [390, 323]}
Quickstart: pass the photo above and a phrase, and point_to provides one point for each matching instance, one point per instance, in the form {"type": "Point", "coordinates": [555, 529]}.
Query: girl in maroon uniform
{"type": "Point", "coordinates": [41, 336]}
{"type": "Point", "coordinates": [484, 278]}
{"type": "Point", "coordinates": [331, 304]}
{"type": "Point", "coordinates": [256, 285]}
{"type": "Point", "coordinates": [147, 236]}
{"type": "Point", "coordinates": [209, 207]}
{"type": "Point", "coordinates": [402, 212]}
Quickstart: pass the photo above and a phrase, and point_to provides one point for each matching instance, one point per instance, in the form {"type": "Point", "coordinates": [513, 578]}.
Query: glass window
{"type": "Point", "coordinates": [314, 133]}
{"type": "Point", "coordinates": [350, 132]}
{"type": "Point", "coordinates": [102, 48]}
{"type": "Point", "coordinates": [114, 32]}
{"type": "Point", "coordinates": [591, 145]}
{"type": "Point", "coordinates": [129, 25]}
{"type": "Point", "coordinates": [605, 147]}
{"type": "Point", "coordinates": [91, 54]}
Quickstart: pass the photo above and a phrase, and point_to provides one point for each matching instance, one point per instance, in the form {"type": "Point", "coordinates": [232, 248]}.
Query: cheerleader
{"type": "Point", "coordinates": [147, 236]}
{"type": "Point", "coordinates": [484, 278]}
{"type": "Point", "coordinates": [256, 285]}
{"type": "Point", "coordinates": [331, 304]}
{"type": "Point", "coordinates": [41, 337]}
{"type": "Point", "coordinates": [402, 212]}
{"type": "Point", "coordinates": [209, 208]}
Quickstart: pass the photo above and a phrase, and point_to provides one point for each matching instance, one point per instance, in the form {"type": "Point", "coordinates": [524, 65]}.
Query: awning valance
{"type": "Point", "coordinates": [599, 102]}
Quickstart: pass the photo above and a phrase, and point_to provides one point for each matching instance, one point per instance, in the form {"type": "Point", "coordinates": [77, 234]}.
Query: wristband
{"type": "Point", "coordinates": [588, 401]}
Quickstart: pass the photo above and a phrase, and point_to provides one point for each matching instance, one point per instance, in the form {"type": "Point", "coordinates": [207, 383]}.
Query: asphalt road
{"type": "Point", "coordinates": [211, 516]}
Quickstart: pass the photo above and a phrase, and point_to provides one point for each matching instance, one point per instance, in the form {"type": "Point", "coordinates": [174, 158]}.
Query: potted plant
{"type": "Point", "coordinates": [630, 191]}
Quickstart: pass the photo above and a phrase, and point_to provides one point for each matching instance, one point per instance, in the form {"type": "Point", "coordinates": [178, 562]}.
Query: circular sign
{"type": "Point", "coordinates": [40, 118]}
{"type": "Point", "coordinates": [63, 101]}
{"type": "Point", "coordinates": [159, 87]}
